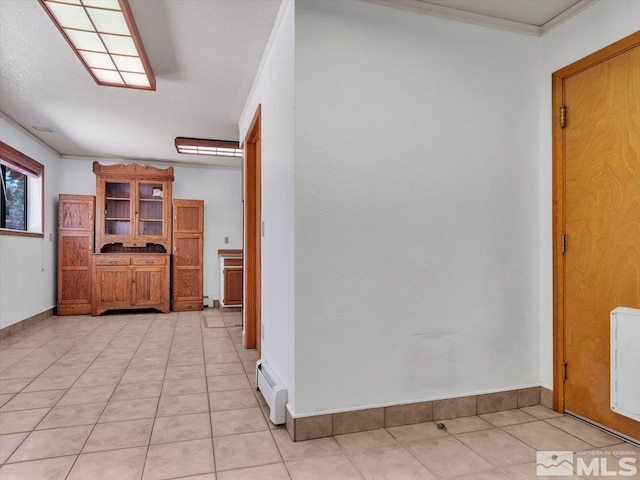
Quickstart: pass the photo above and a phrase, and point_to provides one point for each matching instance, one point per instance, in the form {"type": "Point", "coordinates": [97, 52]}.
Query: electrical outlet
{"type": "Point", "coordinates": [226, 239]}
{"type": "Point", "coordinates": [51, 237]}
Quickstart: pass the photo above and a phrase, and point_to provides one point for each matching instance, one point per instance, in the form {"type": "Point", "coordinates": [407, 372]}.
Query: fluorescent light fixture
{"type": "Point", "coordinates": [105, 38]}
{"type": "Point", "coordinates": [201, 146]}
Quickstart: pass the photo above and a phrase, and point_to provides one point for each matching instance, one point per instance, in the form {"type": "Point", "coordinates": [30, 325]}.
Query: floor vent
{"type": "Point", "coordinates": [273, 391]}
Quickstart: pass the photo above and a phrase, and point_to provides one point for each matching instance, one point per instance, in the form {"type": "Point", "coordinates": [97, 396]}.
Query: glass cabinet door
{"type": "Point", "coordinates": [150, 198]}
{"type": "Point", "coordinates": [117, 217]}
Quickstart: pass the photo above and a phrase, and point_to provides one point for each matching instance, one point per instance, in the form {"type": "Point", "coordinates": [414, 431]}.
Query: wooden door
{"type": "Point", "coordinates": [75, 247]}
{"type": "Point", "coordinates": [75, 213]}
{"type": "Point", "coordinates": [601, 199]}
{"type": "Point", "coordinates": [187, 259]}
{"type": "Point", "coordinates": [112, 288]}
{"type": "Point", "coordinates": [232, 287]}
{"type": "Point", "coordinates": [148, 286]}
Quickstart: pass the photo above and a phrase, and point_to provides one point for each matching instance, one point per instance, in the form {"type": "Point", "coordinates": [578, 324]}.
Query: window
{"type": "Point", "coordinates": [13, 207]}
{"type": "Point", "coordinates": [21, 193]}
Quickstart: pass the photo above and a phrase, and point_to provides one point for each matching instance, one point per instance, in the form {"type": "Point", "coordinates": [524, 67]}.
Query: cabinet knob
{"type": "Point", "coordinates": [149, 262]}
{"type": "Point", "coordinates": [113, 262]}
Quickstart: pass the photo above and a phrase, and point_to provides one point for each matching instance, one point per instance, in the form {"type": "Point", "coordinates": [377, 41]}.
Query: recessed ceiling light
{"type": "Point", "coordinates": [105, 38]}
{"type": "Point", "coordinates": [42, 129]}
{"type": "Point", "coordinates": [201, 146]}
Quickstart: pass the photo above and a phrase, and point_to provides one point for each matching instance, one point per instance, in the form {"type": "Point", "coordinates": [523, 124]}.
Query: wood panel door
{"type": "Point", "coordinates": [75, 247]}
{"type": "Point", "coordinates": [112, 288]}
{"type": "Point", "coordinates": [148, 287]}
{"type": "Point", "coordinates": [187, 259]}
{"type": "Point", "coordinates": [232, 287]}
{"type": "Point", "coordinates": [601, 200]}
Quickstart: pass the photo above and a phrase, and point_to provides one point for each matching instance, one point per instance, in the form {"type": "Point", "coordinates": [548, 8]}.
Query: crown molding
{"type": "Point", "coordinates": [566, 15]}
{"type": "Point", "coordinates": [423, 7]}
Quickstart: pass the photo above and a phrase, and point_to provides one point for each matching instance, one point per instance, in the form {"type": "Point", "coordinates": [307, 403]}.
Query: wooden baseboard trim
{"type": "Point", "coordinates": [26, 323]}
{"type": "Point", "coordinates": [318, 426]}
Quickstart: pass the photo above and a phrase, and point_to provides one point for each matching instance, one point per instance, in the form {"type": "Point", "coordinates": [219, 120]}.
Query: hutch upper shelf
{"type": "Point", "coordinates": [133, 206]}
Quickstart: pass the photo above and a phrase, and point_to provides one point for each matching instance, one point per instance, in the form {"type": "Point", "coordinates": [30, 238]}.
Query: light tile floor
{"type": "Point", "coordinates": [168, 396]}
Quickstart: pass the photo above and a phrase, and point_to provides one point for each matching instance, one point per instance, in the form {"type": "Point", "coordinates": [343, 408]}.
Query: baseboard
{"type": "Point", "coordinates": [546, 397]}
{"type": "Point", "coordinates": [26, 323]}
{"type": "Point", "coordinates": [318, 426]}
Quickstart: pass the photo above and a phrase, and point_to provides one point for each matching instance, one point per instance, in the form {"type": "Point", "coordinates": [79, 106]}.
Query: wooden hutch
{"type": "Point", "coordinates": [130, 266]}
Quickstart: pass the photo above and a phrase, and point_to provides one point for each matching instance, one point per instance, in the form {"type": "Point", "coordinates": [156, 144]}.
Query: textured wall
{"type": "Point", "coordinates": [416, 207]}
{"type": "Point", "coordinates": [27, 265]}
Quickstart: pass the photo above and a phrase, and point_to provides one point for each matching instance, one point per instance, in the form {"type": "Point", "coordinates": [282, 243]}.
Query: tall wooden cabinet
{"type": "Point", "coordinates": [75, 247]}
{"type": "Point", "coordinates": [133, 242]}
{"type": "Point", "coordinates": [137, 245]}
{"type": "Point", "coordinates": [187, 258]}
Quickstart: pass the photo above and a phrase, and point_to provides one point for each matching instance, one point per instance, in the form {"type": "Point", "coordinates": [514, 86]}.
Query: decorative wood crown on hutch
{"type": "Point", "coordinates": [133, 208]}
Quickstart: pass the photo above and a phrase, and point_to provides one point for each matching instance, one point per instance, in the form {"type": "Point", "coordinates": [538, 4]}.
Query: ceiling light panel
{"type": "Point", "coordinates": [104, 36]}
{"type": "Point", "coordinates": [201, 146]}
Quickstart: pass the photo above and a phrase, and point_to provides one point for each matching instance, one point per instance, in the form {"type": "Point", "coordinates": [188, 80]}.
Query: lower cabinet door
{"type": "Point", "coordinates": [232, 286]}
{"type": "Point", "coordinates": [112, 288]}
{"type": "Point", "coordinates": [149, 286]}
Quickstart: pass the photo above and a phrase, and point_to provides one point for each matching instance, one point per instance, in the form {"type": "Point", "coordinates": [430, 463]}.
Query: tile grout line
{"type": "Point", "coordinates": [153, 423]}
{"type": "Point", "coordinates": [114, 390]}
{"type": "Point", "coordinates": [206, 383]}
{"type": "Point", "coordinates": [54, 405]}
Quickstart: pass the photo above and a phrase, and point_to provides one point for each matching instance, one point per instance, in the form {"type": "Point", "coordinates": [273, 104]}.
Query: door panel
{"type": "Point", "coordinates": [232, 286]}
{"type": "Point", "coordinates": [602, 226]}
{"type": "Point", "coordinates": [114, 286]}
{"type": "Point", "coordinates": [187, 259]}
{"type": "Point", "coordinates": [148, 286]}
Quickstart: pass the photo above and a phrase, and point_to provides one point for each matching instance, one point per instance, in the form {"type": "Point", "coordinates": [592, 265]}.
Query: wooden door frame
{"type": "Point", "coordinates": [252, 194]}
{"type": "Point", "coordinates": [558, 140]}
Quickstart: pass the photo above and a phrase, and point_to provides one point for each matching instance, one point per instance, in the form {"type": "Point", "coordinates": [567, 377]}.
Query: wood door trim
{"type": "Point", "coordinates": [558, 151]}
{"type": "Point", "coordinates": [252, 180]}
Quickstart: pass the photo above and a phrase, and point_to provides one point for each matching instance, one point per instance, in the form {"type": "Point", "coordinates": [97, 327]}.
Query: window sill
{"type": "Point", "coordinates": [20, 233]}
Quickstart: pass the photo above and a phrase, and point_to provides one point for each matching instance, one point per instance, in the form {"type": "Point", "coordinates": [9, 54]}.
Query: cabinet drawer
{"type": "Point", "coordinates": [232, 262]}
{"type": "Point", "coordinates": [100, 260]}
{"type": "Point", "coordinates": [149, 261]}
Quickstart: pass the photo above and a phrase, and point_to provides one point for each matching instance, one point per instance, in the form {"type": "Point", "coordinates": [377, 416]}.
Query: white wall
{"type": "Point", "coordinates": [594, 28]}
{"type": "Point", "coordinates": [416, 221]}
{"type": "Point", "coordinates": [28, 265]}
{"type": "Point", "coordinates": [274, 90]}
{"type": "Point", "coordinates": [220, 188]}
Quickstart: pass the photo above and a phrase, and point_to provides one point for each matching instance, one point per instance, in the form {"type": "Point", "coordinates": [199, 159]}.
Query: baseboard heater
{"type": "Point", "coordinates": [273, 391]}
{"type": "Point", "coordinates": [625, 362]}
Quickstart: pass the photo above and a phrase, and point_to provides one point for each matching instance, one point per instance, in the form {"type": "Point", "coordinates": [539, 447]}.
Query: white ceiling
{"type": "Point", "coordinates": [204, 53]}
